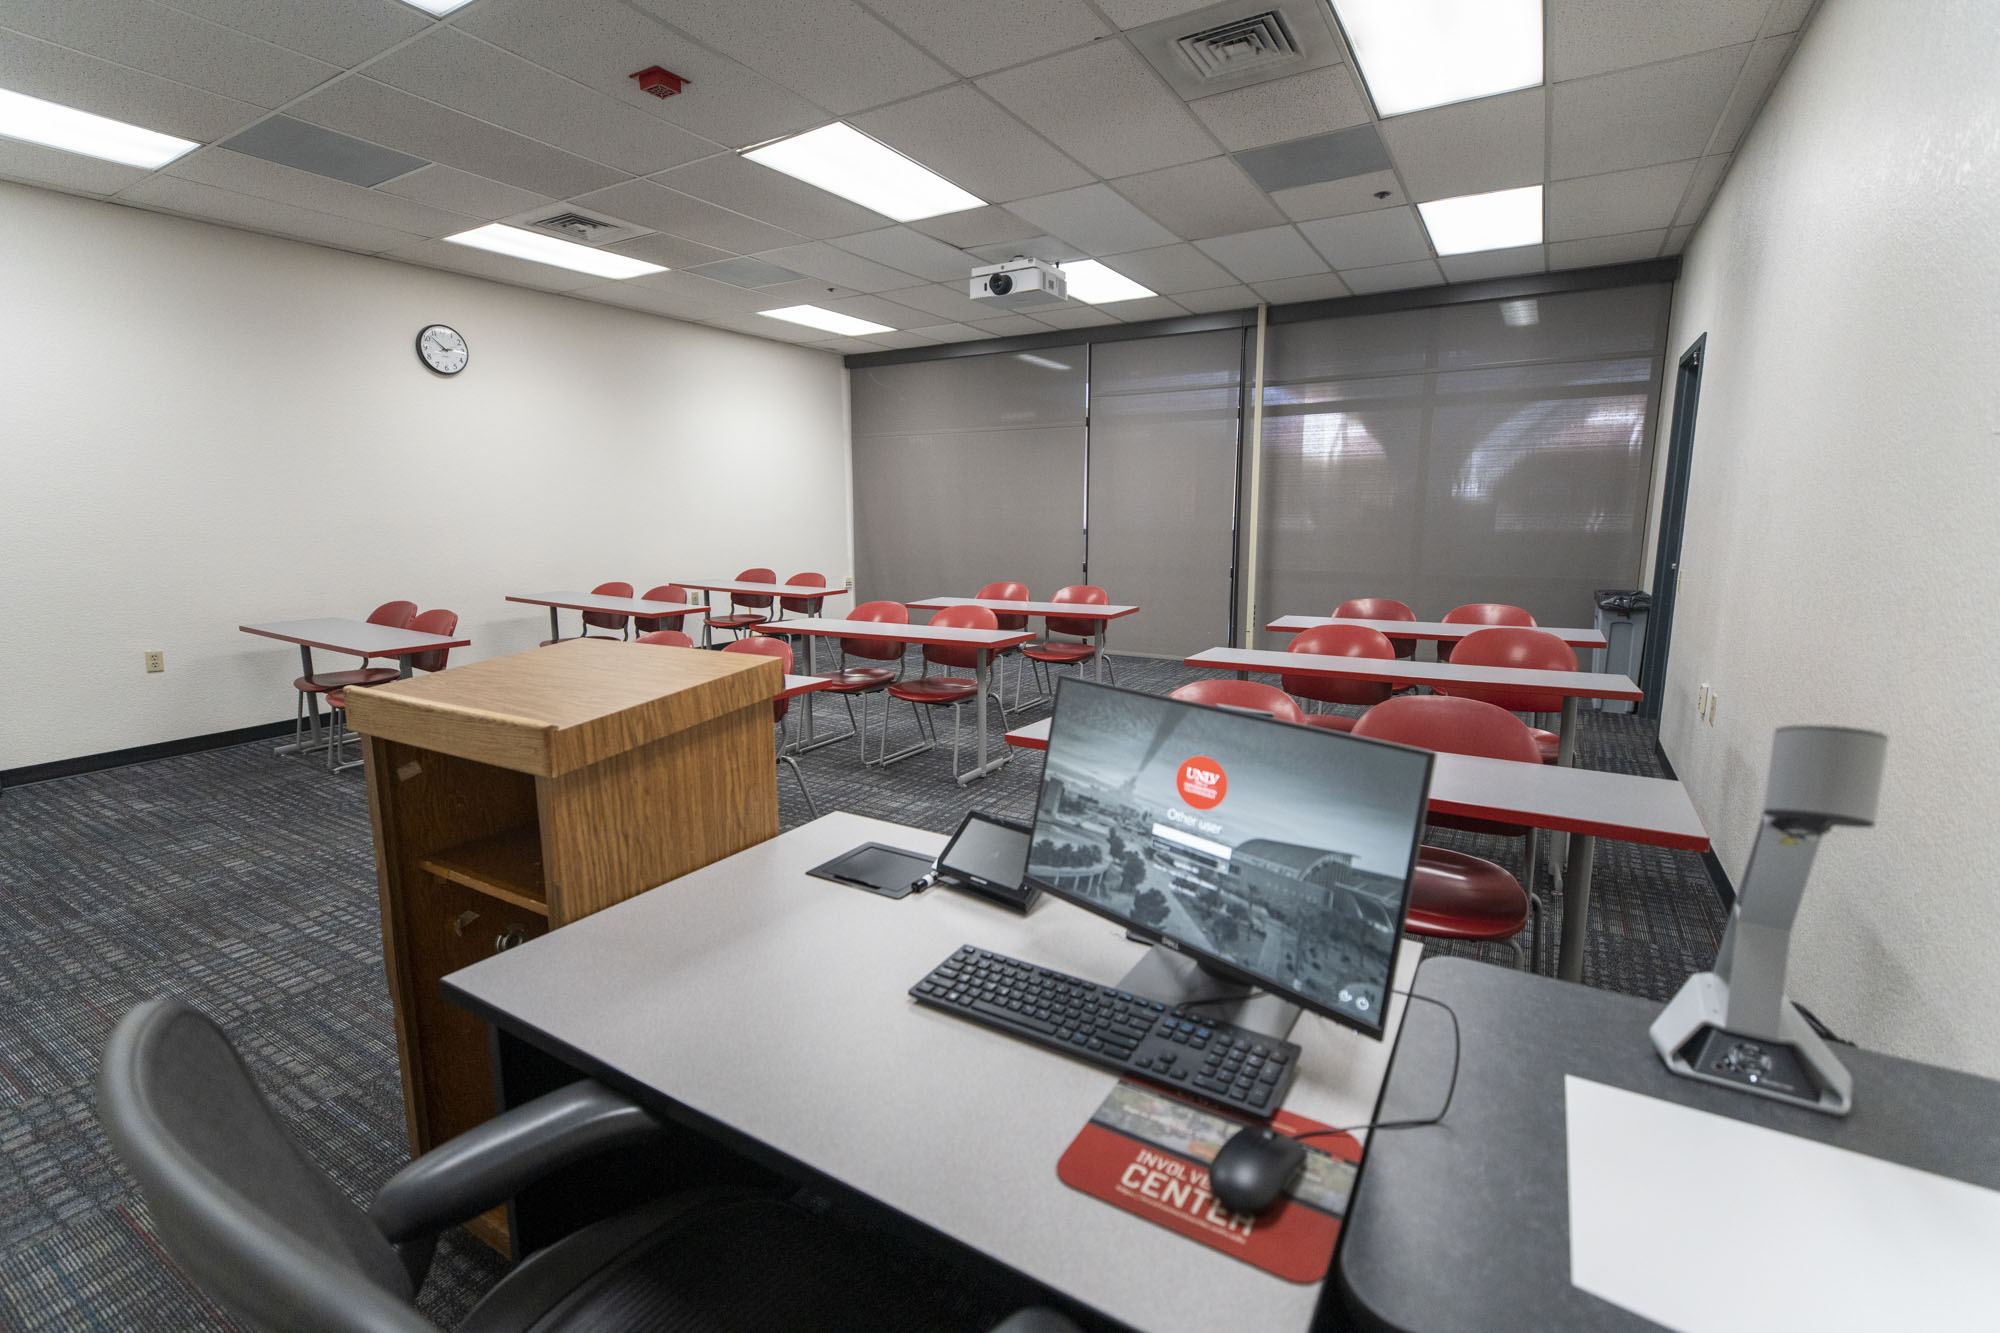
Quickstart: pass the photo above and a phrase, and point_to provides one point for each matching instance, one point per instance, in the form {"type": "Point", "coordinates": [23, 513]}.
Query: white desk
{"type": "Point", "coordinates": [361, 638]}
{"type": "Point", "coordinates": [1438, 630]}
{"type": "Point", "coordinates": [1000, 606]}
{"type": "Point", "coordinates": [751, 996]}
{"type": "Point", "coordinates": [600, 602]}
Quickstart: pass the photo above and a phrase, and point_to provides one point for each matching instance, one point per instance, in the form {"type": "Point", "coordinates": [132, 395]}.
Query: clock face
{"type": "Point", "coordinates": [443, 349]}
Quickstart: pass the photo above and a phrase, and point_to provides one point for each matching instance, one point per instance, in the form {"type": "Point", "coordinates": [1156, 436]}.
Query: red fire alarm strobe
{"type": "Point", "coordinates": [660, 82]}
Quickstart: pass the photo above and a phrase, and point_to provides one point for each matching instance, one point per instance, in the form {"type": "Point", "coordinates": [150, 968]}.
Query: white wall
{"type": "Point", "coordinates": [202, 427]}
{"type": "Point", "coordinates": [1844, 509]}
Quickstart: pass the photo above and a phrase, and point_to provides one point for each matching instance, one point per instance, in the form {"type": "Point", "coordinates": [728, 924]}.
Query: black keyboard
{"type": "Point", "coordinates": [1219, 1062]}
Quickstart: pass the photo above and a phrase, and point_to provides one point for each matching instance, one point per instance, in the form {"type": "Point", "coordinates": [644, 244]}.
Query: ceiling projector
{"type": "Point", "coordinates": [1019, 283]}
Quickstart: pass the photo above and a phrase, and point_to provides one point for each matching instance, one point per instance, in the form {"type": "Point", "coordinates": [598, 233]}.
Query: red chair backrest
{"type": "Point", "coordinates": [808, 606]}
{"type": "Point", "coordinates": [959, 617]}
{"type": "Point", "coordinates": [756, 601]}
{"type": "Point", "coordinates": [1373, 608]}
{"type": "Point", "coordinates": [1340, 641]}
{"type": "Point", "coordinates": [1453, 725]}
{"type": "Point", "coordinates": [1241, 694]}
{"type": "Point", "coordinates": [666, 592]}
{"type": "Point", "coordinates": [1510, 646]}
{"type": "Point", "coordinates": [1483, 613]}
{"type": "Point", "coordinates": [762, 647]}
{"type": "Point", "coordinates": [1086, 595]}
{"type": "Point", "coordinates": [433, 622]}
{"type": "Point", "coordinates": [396, 615]}
{"type": "Point", "coordinates": [666, 638]}
{"type": "Point", "coordinates": [608, 619]}
{"type": "Point", "coordinates": [880, 650]}
{"type": "Point", "coordinates": [1007, 592]}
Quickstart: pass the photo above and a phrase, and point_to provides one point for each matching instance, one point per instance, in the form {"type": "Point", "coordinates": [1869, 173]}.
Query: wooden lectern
{"type": "Point", "coordinates": [515, 795]}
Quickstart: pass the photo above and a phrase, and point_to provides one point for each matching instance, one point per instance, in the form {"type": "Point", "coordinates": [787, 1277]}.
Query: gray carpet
{"type": "Point", "coordinates": [244, 884]}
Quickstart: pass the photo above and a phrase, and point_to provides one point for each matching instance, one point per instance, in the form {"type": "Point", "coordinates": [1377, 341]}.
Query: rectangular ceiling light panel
{"type": "Point", "coordinates": [439, 8]}
{"type": "Point", "coordinates": [832, 321]}
{"type": "Point", "coordinates": [1092, 282]}
{"type": "Point", "coordinates": [842, 160]}
{"type": "Point", "coordinates": [502, 239]}
{"type": "Point", "coordinates": [1422, 53]}
{"type": "Point", "coordinates": [57, 126]}
{"type": "Point", "coordinates": [1495, 221]}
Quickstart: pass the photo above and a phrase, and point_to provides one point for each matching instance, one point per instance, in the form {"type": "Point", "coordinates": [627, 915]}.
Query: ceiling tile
{"type": "Point", "coordinates": [1136, 13]}
{"type": "Point", "coordinates": [899, 339]}
{"type": "Point", "coordinates": [832, 52]}
{"type": "Point", "coordinates": [1617, 202]}
{"type": "Point", "coordinates": [754, 190]}
{"type": "Point", "coordinates": [1355, 194]}
{"type": "Point", "coordinates": [1640, 117]}
{"type": "Point", "coordinates": [1495, 263]}
{"type": "Point", "coordinates": [58, 74]}
{"type": "Point", "coordinates": [687, 295]}
{"type": "Point", "coordinates": [1148, 307]}
{"type": "Point", "coordinates": [468, 75]}
{"type": "Point", "coordinates": [820, 260]}
{"type": "Point", "coordinates": [806, 291]}
{"type": "Point", "coordinates": [172, 44]}
{"type": "Point", "coordinates": [670, 211]}
{"type": "Point", "coordinates": [630, 295]}
{"type": "Point", "coordinates": [340, 32]}
{"type": "Point", "coordinates": [1260, 256]}
{"type": "Point", "coordinates": [462, 192]}
{"type": "Point", "coordinates": [744, 271]}
{"type": "Point", "coordinates": [978, 36]}
{"type": "Point", "coordinates": [1096, 218]}
{"type": "Point", "coordinates": [1760, 71]}
{"type": "Point", "coordinates": [673, 251]}
{"type": "Point", "coordinates": [1197, 199]}
{"type": "Point", "coordinates": [31, 162]}
{"type": "Point", "coordinates": [1708, 174]}
{"type": "Point", "coordinates": [1075, 315]}
{"type": "Point", "coordinates": [910, 251]}
{"type": "Point", "coordinates": [880, 309]}
{"type": "Point", "coordinates": [1605, 250]}
{"type": "Point", "coordinates": [1290, 108]}
{"type": "Point", "coordinates": [944, 301]}
{"type": "Point", "coordinates": [324, 152]}
{"type": "Point", "coordinates": [992, 225]}
{"type": "Point", "coordinates": [959, 133]}
{"type": "Point", "coordinates": [1369, 240]}
{"type": "Point", "coordinates": [394, 119]}
{"type": "Point", "coordinates": [1393, 277]}
{"type": "Point", "coordinates": [1010, 326]}
{"type": "Point", "coordinates": [270, 180]}
{"type": "Point", "coordinates": [1590, 37]}
{"type": "Point", "coordinates": [267, 215]}
{"type": "Point", "coordinates": [1494, 143]}
{"type": "Point", "coordinates": [1041, 247]}
{"type": "Point", "coordinates": [601, 42]}
{"type": "Point", "coordinates": [1786, 16]}
{"type": "Point", "coordinates": [1213, 299]}
{"type": "Point", "coordinates": [952, 333]}
{"type": "Point", "coordinates": [499, 268]}
{"type": "Point", "coordinates": [1105, 107]}
{"type": "Point", "coordinates": [1171, 269]}
{"type": "Point", "coordinates": [1312, 287]}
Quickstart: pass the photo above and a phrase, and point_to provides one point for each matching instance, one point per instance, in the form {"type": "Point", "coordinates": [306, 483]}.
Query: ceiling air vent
{"type": "Point", "coordinates": [578, 227]}
{"type": "Point", "coordinates": [1254, 42]}
{"type": "Point", "coordinates": [1238, 43]}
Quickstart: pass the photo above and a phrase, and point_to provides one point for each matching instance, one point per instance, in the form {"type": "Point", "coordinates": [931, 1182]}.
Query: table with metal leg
{"type": "Point", "coordinates": [598, 602]}
{"type": "Point", "coordinates": [357, 638]}
{"type": "Point", "coordinates": [1103, 615]}
{"type": "Point", "coordinates": [1441, 632]}
{"type": "Point", "coordinates": [738, 587]}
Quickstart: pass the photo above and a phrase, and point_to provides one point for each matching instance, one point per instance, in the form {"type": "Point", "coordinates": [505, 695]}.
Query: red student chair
{"type": "Point", "coordinates": [666, 592]}
{"type": "Point", "coordinates": [1051, 652]}
{"type": "Point", "coordinates": [396, 615]}
{"type": "Point", "coordinates": [1248, 695]}
{"type": "Point", "coordinates": [926, 691]}
{"type": "Point", "coordinates": [1339, 641]}
{"type": "Point", "coordinates": [430, 622]}
{"type": "Point", "coordinates": [602, 619]}
{"type": "Point", "coordinates": [1379, 608]}
{"type": "Point", "coordinates": [1008, 592]}
{"type": "Point", "coordinates": [763, 647]}
{"type": "Point", "coordinates": [1455, 895]}
{"type": "Point", "coordinates": [1513, 646]}
{"type": "Point", "coordinates": [801, 606]}
{"type": "Point", "coordinates": [746, 610]}
{"type": "Point", "coordinates": [850, 681]}
{"type": "Point", "coordinates": [1483, 613]}
{"type": "Point", "coordinates": [665, 638]}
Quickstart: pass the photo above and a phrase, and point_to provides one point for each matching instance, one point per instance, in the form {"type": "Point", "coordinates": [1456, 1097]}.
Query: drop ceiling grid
{"type": "Point", "coordinates": [985, 91]}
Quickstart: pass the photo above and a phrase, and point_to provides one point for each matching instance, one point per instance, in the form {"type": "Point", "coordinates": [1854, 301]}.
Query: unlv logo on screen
{"type": "Point", "coordinates": [1203, 784]}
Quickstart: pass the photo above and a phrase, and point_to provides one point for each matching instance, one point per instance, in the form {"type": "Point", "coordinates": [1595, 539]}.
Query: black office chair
{"type": "Point", "coordinates": [264, 1232]}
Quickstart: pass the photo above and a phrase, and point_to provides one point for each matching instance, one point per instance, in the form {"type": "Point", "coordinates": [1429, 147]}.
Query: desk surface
{"type": "Point", "coordinates": [1073, 610]}
{"type": "Point", "coordinates": [903, 633]}
{"type": "Point", "coordinates": [623, 606]}
{"type": "Point", "coordinates": [800, 590]}
{"type": "Point", "coordinates": [1403, 671]}
{"type": "Point", "coordinates": [1428, 629]}
{"type": "Point", "coordinates": [1484, 1196]}
{"type": "Point", "coordinates": [797, 685]}
{"type": "Point", "coordinates": [359, 637]}
{"type": "Point", "coordinates": [951, 1124]}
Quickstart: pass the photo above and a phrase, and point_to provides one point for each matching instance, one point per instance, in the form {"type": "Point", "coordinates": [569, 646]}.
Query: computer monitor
{"type": "Point", "coordinates": [1269, 852]}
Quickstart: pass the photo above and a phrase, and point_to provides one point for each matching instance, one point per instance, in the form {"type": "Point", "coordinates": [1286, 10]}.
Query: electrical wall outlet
{"type": "Point", "coordinates": [848, 583]}
{"type": "Point", "coordinates": [156, 661]}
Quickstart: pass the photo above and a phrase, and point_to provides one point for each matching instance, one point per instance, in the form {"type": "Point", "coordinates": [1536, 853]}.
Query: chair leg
{"type": "Point", "coordinates": [926, 735]}
{"type": "Point", "coordinates": [804, 791]}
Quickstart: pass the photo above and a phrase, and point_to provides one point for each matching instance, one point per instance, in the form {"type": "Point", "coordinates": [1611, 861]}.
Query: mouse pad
{"type": "Point", "coordinates": [1147, 1151]}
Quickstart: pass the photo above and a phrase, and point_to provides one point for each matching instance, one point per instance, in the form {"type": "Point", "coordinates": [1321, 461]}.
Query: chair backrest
{"type": "Point", "coordinates": [1339, 641]}
{"type": "Point", "coordinates": [608, 619]}
{"type": "Point", "coordinates": [1511, 646]}
{"type": "Point", "coordinates": [1084, 594]}
{"type": "Point", "coordinates": [758, 646]}
{"type": "Point", "coordinates": [396, 615]}
{"type": "Point", "coordinates": [805, 606]}
{"type": "Point", "coordinates": [1007, 592]}
{"type": "Point", "coordinates": [1379, 608]}
{"type": "Point", "coordinates": [1482, 613]}
{"type": "Point", "coordinates": [235, 1203]}
{"type": "Point", "coordinates": [1241, 694]}
{"type": "Point", "coordinates": [959, 617]}
{"type": "Point", "coordinates": [1453, 725]}
{"type": "Point", "coordinates": [666, 638]}
{"type": "Point", "coordinates": [666, 592]}
{"type": "Point", "coordinates": [433, 622]}
{"type": "Point", "coordinates": [879, 650]}
{"type": "Point", "coordinates": [756, 601]}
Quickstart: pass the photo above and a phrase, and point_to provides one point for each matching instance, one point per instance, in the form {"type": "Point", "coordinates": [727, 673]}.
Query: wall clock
{"type": "Point", "coordinates": [442, 348]}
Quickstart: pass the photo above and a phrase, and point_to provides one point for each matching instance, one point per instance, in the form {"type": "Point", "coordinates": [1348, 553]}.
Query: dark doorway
{"type": "Point", "coordinates": [1673, 518]}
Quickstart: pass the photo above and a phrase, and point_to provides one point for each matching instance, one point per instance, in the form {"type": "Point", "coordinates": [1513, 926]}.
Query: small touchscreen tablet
{"type": "Point", "coordinates": [988, 857]}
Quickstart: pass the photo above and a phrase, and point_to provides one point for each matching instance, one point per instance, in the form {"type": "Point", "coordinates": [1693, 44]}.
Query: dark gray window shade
{"type": "Point", "coordinates": [1492, 452]}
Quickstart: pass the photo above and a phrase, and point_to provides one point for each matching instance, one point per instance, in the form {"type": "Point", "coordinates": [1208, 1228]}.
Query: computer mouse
{"type": "Point", "coordinates": [1254, 1167]}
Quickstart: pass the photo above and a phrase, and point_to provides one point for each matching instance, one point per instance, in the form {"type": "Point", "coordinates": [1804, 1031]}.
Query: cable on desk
{"type": "Point", "coordinates": [1450, 1087]}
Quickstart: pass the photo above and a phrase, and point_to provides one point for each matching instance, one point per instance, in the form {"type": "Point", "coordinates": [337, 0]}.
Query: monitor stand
{"type": "Point", "coordinates": [1175, 979]}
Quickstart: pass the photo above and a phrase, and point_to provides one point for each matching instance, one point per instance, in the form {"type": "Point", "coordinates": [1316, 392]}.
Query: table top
{"type": "Point", "coordinates": [792, 1024]}
{"type": "Point", "coordinates": [775, 589]}
{"type": "Point", "coordinates": [1428, 629]}
{"type": "Point", "coordinates": [358, 637]}
{"type": "Point", "coordinates": [908, 633]}
{"type": "Point", "coordinates": [1484, 1195]}
{"type": "Point", "coordinates": [623, 606]}
{"type": "Point", "coordinates": [1074, 610]}
{"type": "Point", "coordinates": [797, 685]}
{"type": "Point", "coordinates": [1403, 671]}
{"type": "Point", "coordinates": [1655, 811]}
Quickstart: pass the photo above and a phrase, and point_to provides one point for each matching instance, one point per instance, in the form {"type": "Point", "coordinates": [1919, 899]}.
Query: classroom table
{"type": "Point", "coordinates": [1103, 615]}
{"type": "Point", "coordinates": [1585, 803]}
{"type": "Point", "coordinates": [616, 606]}
{"type": "Point", "coordinates": [709, 587]}
{"type": "Point", "coordinates": [770, 1011]}
{"type": "Point", "coordinates": [1438, 630]}
{"type": "Point", "coordinates": [357, 638]}
{"type": "Point", "coordinates": [985, 641]}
